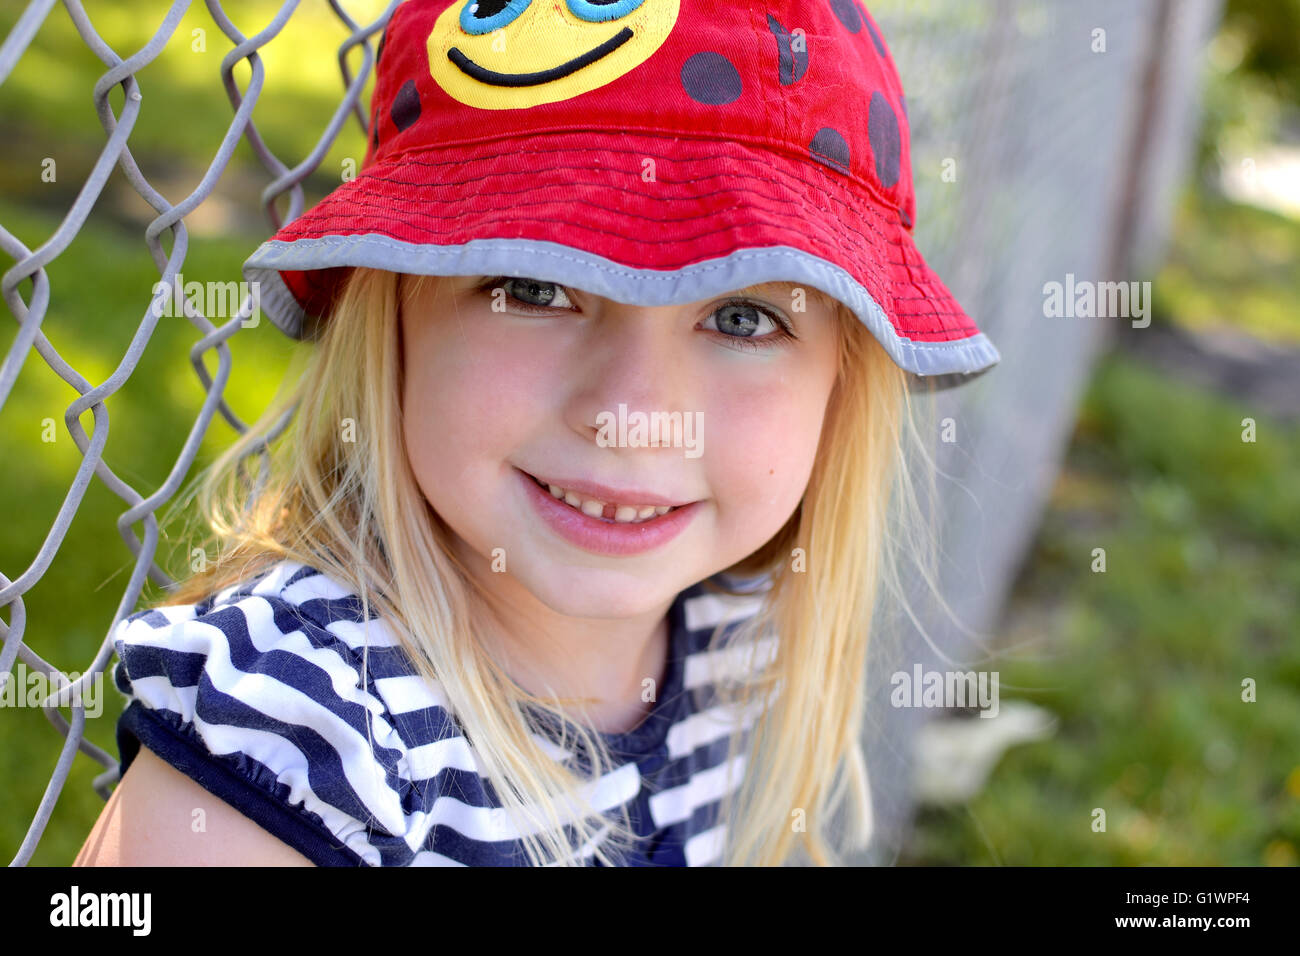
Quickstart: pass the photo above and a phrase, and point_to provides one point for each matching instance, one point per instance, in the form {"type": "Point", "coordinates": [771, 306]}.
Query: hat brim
{"type": "Point", "coordinates": [636, 218]}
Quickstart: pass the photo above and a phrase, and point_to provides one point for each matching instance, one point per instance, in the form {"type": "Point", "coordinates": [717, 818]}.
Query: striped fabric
{"type": "Point", "coordinates": [257, 694]}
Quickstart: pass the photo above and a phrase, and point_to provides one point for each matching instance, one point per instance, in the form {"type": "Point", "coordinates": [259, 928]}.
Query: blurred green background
{"type": "Point", "coordinates": [1211, 590]}
{"type": "Point", "coordinates": [1143, 665]}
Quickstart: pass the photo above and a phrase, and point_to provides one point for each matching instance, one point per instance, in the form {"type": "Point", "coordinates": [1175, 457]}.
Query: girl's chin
{"type": "Point", "coordinates": [585, 592]}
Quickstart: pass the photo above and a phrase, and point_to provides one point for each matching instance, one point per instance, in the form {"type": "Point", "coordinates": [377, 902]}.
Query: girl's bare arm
{"type": "Point", "coordinates": [147, 822]}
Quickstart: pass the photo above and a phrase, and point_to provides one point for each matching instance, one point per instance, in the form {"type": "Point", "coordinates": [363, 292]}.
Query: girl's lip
{"type": "Point", "coordinates": [601, 536]}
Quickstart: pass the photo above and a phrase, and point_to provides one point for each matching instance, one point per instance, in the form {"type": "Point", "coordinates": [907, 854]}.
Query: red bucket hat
{"type": "Point", "coordinates": [653, 152]}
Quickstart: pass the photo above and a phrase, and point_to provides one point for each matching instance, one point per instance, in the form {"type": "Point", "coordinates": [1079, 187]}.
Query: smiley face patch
{"type": "Point", "coordinates": [513, 54]}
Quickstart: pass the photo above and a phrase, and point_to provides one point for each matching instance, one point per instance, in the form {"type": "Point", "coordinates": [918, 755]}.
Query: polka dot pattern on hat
{"type": "Point", "coordinates": [846, 11]}
{"type": "Point", "coordinates": [710, 78]}
{"type": "Point", "coordinates": [830, 148]}
{"type": "Point", "coordinates": [882, 130]}
{"type": "Point", "coordinates": [406, 106]}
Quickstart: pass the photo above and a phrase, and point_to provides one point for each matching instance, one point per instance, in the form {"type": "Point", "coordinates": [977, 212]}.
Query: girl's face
{"type": "Point", "coordinates": [509, 380]}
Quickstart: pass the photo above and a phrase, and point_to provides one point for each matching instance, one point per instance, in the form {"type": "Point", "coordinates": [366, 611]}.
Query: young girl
{"type": "Point", "coordinates": [571, 553]}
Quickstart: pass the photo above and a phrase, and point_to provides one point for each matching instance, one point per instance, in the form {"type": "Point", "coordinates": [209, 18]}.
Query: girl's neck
{"type": "Point", "coordinates": [603, 661]}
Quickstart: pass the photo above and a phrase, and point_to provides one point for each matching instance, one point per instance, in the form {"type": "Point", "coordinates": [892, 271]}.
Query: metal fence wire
{"type": "Point", "coordinates": [1035, 155]}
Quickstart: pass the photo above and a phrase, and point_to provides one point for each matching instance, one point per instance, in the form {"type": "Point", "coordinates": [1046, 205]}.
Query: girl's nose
{"type": "Point", "coordinates": [637, 356]}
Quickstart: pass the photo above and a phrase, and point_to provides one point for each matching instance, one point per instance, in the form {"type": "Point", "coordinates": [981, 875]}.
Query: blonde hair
{"type": "Point", "coordinates": [353, 510]}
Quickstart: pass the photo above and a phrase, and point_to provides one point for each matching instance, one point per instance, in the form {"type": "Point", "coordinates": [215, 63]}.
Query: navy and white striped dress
{"type": "Point", "coordinates": [257, 694]}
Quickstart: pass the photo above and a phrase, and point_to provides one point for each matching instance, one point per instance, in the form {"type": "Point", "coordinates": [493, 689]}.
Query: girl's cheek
{"type": "Point", "coordinates": [466, 392]}
{"type": "Point", "coordinates": [760, 445]}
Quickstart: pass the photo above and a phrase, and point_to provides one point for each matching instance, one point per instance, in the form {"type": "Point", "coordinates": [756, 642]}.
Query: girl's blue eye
{"type": "Point", "coordinates": [738, 320]}
{"type": "Point", "coordinates": [735, 319]}
{"type": "Point", "coordinates": [535, 292]}
{"type": "Point", "coordinates": [484, 16]}
{"type": "Point", "coordinates": [600, 11]}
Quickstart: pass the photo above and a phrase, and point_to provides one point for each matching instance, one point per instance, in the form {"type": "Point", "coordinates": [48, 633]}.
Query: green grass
{"type": "Point", "coordinates": [1144, 663]}
{"type": "Point", "coordinates": [1231, 265]}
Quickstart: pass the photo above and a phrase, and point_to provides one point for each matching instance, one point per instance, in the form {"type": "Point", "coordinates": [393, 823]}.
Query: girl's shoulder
{"type": "Point", "coordinates": [279, 696]}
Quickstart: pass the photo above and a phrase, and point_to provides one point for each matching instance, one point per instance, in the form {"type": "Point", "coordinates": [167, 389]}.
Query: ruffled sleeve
{"type": "Point", "coordinates": [257, 694]}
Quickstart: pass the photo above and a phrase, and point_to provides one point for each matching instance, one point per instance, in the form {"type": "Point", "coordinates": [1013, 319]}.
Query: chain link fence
{"type": "Point", "coordinates": [1047, 137]}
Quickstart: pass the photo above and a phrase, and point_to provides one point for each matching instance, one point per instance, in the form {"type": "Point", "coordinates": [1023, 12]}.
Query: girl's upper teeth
{"type": "Point", "coordinates": [602, 509]}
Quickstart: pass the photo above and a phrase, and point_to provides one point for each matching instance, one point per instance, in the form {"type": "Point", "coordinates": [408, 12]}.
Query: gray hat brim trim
{"type": "Point", "coordinates": [937, 365]}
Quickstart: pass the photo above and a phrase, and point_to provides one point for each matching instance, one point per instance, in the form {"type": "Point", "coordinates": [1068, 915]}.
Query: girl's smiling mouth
{"type": "Point", "coordinates": [638, 523]}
